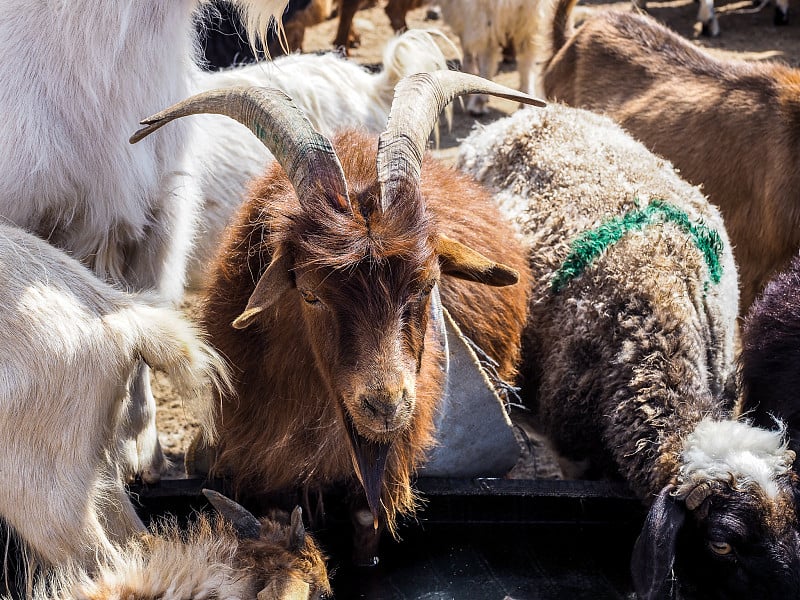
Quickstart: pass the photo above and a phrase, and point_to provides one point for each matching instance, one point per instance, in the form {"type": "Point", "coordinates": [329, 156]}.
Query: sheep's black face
{"type": "Point", "coordinates": [741, 544]}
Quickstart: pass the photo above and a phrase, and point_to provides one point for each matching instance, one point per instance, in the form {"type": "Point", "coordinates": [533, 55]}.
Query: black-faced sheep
{"type": "Point", "coordinates": [731, 126]}
{"type": "Point", "coordinates": [322, 295]}
{"type": "Point", "coordinates": [71, 344]}
{"type": "Point", "coordinates": [628, 356]}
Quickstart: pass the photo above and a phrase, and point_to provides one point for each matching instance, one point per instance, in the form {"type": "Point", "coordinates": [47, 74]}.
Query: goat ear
{"type": "Point", "coordinates": [460, 261]}
{"type": "Point", "coordinates": [292, 589]}
{"type": "Point", "coordinates": [654, 552]}
{"type": "Point", "coordinates": [297, 533]}
{"type": "Point", "coordinates": [274, 282]}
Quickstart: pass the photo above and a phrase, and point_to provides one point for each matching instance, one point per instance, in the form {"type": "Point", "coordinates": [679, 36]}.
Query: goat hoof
{"type": "Point", "coordinates": [710, 29]}
{"type": "Point", "coordinates": [477, 106]}
{"type": "Point", "coordinates": [781, 17]}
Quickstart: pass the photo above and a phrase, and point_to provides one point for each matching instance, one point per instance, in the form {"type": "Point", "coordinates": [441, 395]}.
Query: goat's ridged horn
{"type": "Point", "coordinates": [418, 100]}
{"type": "Point", "coordinates": [306, 155]}
{"type": "Point", "coordinates": [245, 524]}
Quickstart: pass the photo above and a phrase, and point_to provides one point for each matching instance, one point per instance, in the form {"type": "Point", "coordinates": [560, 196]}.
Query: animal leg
{"type": "Point", "coordinates": [347, 10]}
{"type": "Point", "coordinates": [708, 18]}
{"type": "Point", "coordinates": [144, 450]}
{"type": "Point", "coordinates": [488, 59]}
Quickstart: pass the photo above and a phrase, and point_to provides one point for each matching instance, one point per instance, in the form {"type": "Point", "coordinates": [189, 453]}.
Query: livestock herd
{"type": "Point", "coordinates": [599, 278]}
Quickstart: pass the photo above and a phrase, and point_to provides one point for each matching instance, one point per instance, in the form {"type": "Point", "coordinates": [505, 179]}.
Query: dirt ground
{"type": "Point", "coordinates": [746, 34]}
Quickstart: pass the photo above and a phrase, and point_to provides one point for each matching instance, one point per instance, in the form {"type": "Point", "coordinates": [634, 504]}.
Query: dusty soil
{"type": "Point", "coordinates": [746, 34]}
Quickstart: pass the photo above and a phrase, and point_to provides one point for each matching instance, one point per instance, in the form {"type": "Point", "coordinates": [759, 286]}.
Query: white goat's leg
{"type": "Point", "coordinates": [488, 59]}
{"type": "Point", "coordinates": [159, 263]}
{"type": "Point", "coordinates": [53, 506]}
{"type": "Point", "coordinates": [141, 419]}
{"type": "Point", "coordinates": [526, 69]}
{"type": "Point", "coordinates": [708, 18]}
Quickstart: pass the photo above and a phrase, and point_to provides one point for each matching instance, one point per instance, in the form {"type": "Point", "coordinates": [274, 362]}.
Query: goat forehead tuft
{"type": "Point", "coordinates": [726, 450]}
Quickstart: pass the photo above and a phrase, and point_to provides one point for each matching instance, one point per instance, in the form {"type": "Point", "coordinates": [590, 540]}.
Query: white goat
{"type": "Point", "coordinates": [335, 94]}
{"type": "Point", "coordinates": [77, 76]}
{"type": "Point", "coordinates": [484, 27]}
{"type": "Point", "coordinates": [70, 344]}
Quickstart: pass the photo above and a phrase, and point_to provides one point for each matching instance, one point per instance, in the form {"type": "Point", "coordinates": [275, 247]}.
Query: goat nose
{"type": "Point", "coordinates": [383, 406]}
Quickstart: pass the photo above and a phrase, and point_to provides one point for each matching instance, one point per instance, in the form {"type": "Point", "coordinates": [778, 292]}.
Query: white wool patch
{"type": "Point", "coordinates": [731, 449]}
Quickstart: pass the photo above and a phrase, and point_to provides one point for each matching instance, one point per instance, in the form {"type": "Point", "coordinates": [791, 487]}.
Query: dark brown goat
{"type": "Point", "coordinates": [346, 36]}
{"type": "Point", "coordinates": [329, 277]}
{"type": "Point", "coordinates": [732, 127]}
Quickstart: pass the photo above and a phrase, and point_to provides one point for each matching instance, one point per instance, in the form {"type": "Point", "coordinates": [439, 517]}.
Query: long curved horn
{"type": "Point", "coordinates": [418, 100]}
{"type": "Point", "coordinates": [306, 155]}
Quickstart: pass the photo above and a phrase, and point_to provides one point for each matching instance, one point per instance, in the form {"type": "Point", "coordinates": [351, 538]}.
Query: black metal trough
{"type": "Point", "coordinates": [476, 538]}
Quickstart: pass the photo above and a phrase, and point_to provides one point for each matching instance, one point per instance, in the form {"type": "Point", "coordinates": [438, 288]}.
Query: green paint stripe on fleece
{"type": "Point", "coordinates": [591, 244]}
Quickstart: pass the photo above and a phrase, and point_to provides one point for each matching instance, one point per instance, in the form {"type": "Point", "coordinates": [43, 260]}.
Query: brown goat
{"type": "Point", "coordinates": [347, 37]}
{"type": "Point", "coordinates": [232, 556]}
{"type": "Point", "coordinates": [329, 277]}
{"type": "Point", "coordinates": [731, 126]}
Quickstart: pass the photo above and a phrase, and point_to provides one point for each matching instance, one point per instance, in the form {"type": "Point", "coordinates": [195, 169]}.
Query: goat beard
{"type": "Point", "coordinates": [369, 461]}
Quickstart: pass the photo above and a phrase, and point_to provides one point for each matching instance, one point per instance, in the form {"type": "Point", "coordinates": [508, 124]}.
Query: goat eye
{"type": "Point", "coordinates": [721, 548]}
{"type": "Point", "coordinates": [309, 297]}
{"type": "Point", "coordinates": [426, 290]}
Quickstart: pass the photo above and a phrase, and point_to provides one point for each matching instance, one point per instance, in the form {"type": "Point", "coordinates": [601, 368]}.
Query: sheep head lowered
{"type": "Point", "coordinates": [727, 524]}
{"type": "Point", "coordinates": [351, 265]}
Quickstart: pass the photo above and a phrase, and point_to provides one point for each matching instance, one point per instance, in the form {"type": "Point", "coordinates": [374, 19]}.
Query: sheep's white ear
{"type": "Point", "coordinates": [460, 261]}
{"type": "Point", "coordinates": [275, 281]}
{"type": "Point", "coordinates": [292, 589]}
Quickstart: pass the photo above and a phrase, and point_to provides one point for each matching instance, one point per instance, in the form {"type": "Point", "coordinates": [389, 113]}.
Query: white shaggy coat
{"type": "Point", "coordinates": [70, 344]}
{"type": "Point", "coordinates": [75, 80]}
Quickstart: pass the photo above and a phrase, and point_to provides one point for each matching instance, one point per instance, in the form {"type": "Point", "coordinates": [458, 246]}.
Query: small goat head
{"type": "Point", "coordinates": [728, 529]}
{"type": "Point", "coordinates": [277, 551]}
{"type": "Point", "coordinates": [359, 259]}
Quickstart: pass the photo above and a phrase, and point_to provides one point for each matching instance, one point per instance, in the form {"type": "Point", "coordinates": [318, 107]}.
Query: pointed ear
{"type": "Point", "coordinates": [291, 589]}
{"type": "Point", "coordinates": [297, 533]}
{"type": "Point", "coordinates": [274, 282]}
{"type": "Point", "coordinates": [654, 552]}
{"type": "Point", "coordinates": [460, 261]}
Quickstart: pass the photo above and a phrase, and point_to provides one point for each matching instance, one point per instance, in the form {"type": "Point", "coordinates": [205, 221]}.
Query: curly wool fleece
{"type": "Point", "coordinates": [622, 363]}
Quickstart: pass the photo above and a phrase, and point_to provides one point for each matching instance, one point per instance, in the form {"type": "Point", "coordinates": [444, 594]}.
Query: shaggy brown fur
{"type": "Point", "coordinates": [300, 366]}
{"type": "Point", "coordinates": [731, 126]}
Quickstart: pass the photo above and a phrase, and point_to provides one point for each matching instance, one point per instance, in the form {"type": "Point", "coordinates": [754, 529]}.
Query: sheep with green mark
{"type": "Point", "coordinates": [628, 353]}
